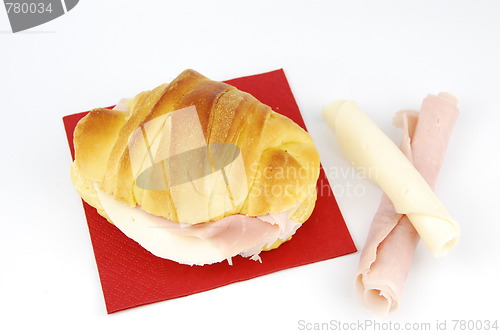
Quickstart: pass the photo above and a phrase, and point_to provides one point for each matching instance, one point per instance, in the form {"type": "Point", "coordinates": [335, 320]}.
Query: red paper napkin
{"type": "Point", "coordinates": [131, 276]}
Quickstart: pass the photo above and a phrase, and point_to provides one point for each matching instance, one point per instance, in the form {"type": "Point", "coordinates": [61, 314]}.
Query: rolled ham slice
{"type": "Point", "coordinates": [369, 149]}
{"type": "Point", "coordinates": [391, 242]}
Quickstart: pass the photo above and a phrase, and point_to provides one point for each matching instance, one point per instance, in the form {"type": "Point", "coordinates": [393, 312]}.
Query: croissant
{"type": "Point", "coordinates": [221, 172]}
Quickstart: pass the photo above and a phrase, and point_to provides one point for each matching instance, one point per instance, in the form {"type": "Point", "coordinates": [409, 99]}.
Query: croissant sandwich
{"type": "Point", "coordinates": [197, 171]}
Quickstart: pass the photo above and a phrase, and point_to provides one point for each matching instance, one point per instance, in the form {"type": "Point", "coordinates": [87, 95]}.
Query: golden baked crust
{"type": "Point", "coordinates": [281, 164]}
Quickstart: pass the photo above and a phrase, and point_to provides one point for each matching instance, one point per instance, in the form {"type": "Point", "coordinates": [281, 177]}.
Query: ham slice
{"type": "Point", "coordinates": [199, 244]}
{"type": "Point", "coordinates": [387, 255]}
{"type": "Point", "coordinates": [236, 235]}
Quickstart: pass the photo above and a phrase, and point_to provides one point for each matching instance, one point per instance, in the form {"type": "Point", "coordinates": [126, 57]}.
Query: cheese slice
{"type": "Point", "coordinates": [370, 150]}
{"type": "Point", "coordinates": [157, 235]}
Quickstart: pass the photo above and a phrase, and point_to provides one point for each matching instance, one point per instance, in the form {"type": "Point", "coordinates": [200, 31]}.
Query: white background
{"type": "Point", "coordinates": [387, 55]}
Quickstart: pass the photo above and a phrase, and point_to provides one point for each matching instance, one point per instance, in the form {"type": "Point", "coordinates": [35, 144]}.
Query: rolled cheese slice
{"type": "Point", "coordinates": [370, 150]}
{"type": "Point", "coordinates": [388, 251]}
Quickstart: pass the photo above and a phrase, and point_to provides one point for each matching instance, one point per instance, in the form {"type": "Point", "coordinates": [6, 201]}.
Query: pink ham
{"type": "Point", "coordinates": [391, 242]}
{"type": "Point", "coordinates": [236, 234]}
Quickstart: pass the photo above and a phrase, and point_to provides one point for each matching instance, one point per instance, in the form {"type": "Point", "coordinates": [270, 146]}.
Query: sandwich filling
{"type": "Point", "coordinates": [199, 244]}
